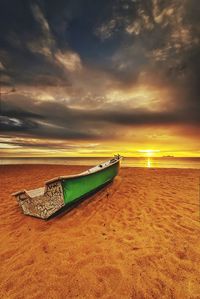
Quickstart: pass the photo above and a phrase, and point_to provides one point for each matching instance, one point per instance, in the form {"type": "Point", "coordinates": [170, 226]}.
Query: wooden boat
{"type": "Point", "coordinates": [64, 191]}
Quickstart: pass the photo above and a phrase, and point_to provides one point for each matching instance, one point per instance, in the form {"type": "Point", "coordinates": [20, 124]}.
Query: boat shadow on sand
{"type": "Point", "coordinates": [66, 209]}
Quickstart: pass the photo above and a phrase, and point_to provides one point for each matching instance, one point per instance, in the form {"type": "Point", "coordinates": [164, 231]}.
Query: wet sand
{"type": "Point", "coordinates": [137, 238]}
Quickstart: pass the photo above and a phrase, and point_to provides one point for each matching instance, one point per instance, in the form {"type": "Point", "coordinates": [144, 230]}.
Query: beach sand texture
{"type": "Point", "coordinates": [137, 238]}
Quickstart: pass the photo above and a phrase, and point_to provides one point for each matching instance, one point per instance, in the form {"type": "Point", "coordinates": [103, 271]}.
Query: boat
{"type": "Point", "coordinates": [65, 191]}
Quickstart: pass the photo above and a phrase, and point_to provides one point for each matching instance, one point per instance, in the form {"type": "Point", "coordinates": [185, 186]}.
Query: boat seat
{"type": "Point", "coordinates": [36, 192]}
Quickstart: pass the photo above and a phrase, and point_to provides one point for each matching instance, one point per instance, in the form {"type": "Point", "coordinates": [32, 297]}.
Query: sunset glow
{"type": "Point", "coordinates": [125, 81]}
{"type": "Point", "coordinates": [149, 152]}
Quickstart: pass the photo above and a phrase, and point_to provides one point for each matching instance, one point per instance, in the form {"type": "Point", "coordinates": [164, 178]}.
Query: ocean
{"type": "Point", "coordinates": [151, 162]}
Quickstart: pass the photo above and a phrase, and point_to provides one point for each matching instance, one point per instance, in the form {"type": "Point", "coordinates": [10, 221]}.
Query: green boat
{"type": "Point", "coordinates": [65, 191]}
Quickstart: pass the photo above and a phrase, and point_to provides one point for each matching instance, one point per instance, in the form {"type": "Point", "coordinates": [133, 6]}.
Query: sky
{"type": "Point", "coordinates": [99, 77]}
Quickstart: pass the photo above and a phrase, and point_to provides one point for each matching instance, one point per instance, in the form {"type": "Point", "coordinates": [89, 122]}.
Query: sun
{"type": "Point", "coordinates": [149, 152]}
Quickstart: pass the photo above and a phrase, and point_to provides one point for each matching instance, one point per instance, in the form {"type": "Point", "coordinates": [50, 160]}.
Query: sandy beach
{"type": "Point", "coordinates": [137, 238]}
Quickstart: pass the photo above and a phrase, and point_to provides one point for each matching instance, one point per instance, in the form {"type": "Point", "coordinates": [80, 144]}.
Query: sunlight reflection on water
{"type": "Point", "coordinates": [149, 163]}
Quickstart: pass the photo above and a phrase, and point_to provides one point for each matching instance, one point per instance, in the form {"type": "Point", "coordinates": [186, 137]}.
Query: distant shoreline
{"type": "Point", "coordinates": [139, 162]}
{"type": "Point", "coordinates": [99, 157]}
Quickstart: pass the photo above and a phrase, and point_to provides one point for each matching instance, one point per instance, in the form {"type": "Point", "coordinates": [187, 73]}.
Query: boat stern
{"type": "Point", "coordinates": [41, 202]}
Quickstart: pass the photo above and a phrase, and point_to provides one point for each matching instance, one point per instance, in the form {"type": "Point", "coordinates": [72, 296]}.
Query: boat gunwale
{"type": "Point", "coordinates": [82, 173]}
{"type": "Point", "coordinates": [60, 178]}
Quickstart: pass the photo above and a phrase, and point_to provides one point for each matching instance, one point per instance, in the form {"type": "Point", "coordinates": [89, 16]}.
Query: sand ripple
{"type": "Point", "coordinates": [137, 238]}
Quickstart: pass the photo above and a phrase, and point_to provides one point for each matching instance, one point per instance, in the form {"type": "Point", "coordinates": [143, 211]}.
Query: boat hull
{"type": "Point", "coordinates": [75, 188]}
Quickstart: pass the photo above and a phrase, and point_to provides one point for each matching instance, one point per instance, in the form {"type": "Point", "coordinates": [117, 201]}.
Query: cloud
{"type": "Point", "coordinates": [46, 43]}
{"type": "Point", "coordinates": [16, 142]}
{"type": "Point", "coordinates": [70, 60]}
{"type": "Point", "coordinates": [1, 66]}
{"type": "Point", "coordinates": [106, 30]}
{"type": "Point", "coordinates": [81, 75]}
{"type": "Point", "coordinates": [44, 119]}
{"type": "Point", "coordinates": [11, 124]}
{"type": "Point", "coordinates": [58, 121]}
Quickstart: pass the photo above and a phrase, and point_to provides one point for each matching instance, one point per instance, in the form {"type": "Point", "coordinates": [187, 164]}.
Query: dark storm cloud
{"type": "Point", "coordinates": [126, 38]}
{"type": "Point", "coordinates": [68, 43]}
{"type": "Point", "coordinates": [10, 124]}
{"type": "Point", "coordinates": [58, 121]}
{"type": "Point", "coordinates": [28, 46]}
{"type": "Point", "coordinates": [33, 128]}
{"type": "Point", "coordinates": [26, 117]}
{"type": "Point", "coordinates": [160, 39]}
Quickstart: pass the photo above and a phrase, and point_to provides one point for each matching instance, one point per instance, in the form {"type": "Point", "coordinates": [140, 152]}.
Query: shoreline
{"type": "Point", "coordinates": [86, 166]}
{"type": "Point", "coordinates": [140, 162]}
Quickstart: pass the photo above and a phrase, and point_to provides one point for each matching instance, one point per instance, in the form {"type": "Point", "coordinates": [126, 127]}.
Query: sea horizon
{"type": "Point", "coordinates": [144, 162]}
